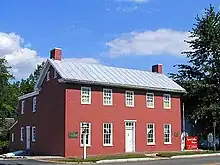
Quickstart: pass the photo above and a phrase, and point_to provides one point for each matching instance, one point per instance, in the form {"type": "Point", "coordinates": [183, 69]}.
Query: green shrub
{"type": "Point", "coordinates": [4, 143]}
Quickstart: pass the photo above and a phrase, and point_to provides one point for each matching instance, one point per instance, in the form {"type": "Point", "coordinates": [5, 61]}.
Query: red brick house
{"type": "Point", "coordinates": [126, 110]}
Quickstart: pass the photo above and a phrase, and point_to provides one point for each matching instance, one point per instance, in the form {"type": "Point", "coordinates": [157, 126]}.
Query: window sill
{"type": "Point", "coordinates": [130, 106]}
{"type": "Point", "coordinates": [167, 143]}
{"type": "Point", "coordinates": [151, 144]}
{"type": "Point", "coordinates": [167, 108]}
{"type": "Point", "coordinates": [107, 105]}
{"type": "Point", "coordinates": [107, 145]}
{"type": "Point", "coordinates": [85, 103]}
{"type": "Point", "coordinates": [150, 107]}
{"type": "Point", "coordinates": [86, 145]}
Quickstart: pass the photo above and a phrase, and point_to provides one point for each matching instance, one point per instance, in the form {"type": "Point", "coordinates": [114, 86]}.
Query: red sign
{"type": "Point", "coordinates": [191, 142]}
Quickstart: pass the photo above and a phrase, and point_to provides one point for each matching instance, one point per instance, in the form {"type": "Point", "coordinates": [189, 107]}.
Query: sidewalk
{"type": "Point", "coordinates": [158, 158]}
{"type": "Point", "coordinates": [152, 157]}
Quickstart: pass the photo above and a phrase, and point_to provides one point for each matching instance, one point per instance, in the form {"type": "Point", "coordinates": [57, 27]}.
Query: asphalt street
{"type": "Point", "coordinates": [190, 161]}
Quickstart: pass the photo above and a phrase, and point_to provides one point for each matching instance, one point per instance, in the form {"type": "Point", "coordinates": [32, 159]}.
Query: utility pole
{"type": "Point", "coordinates": [183, 118]}
{"type": "Point", "coordinates": [214, 125]}
{"type": "Point", "coordinates": [183, 133]}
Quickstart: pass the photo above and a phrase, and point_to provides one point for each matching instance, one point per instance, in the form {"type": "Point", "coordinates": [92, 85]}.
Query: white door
{"type": "Point", "coordinates": [129, 140]}
{"type": "Point", "coordinates": [129, 137]}
{"type": "Point", "coordinates": [28, 137]}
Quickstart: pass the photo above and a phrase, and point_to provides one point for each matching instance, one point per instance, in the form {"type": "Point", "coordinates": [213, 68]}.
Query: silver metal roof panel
{"type": "Point", "coordinates": [74, 70]}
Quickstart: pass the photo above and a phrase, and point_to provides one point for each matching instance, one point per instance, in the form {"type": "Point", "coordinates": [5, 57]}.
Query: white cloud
{"type": "Point", "coordinates": [149, 43]}
{"type": "Point", "coordinates": [21, 57]}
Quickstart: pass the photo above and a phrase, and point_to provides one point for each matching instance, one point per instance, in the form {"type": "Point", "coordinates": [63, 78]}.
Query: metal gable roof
{"type": "Point", "coordinates": [73, 70]}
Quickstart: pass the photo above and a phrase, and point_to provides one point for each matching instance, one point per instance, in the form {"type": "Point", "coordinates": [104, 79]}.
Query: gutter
{"type": "Point", "coordinates": [63, 80]}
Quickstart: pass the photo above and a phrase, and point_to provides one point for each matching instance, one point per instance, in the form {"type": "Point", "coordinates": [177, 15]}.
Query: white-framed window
{"type": "Point", "coordinates": [22, 134]}
{"type": "Point", "coordinates": [33, 131]}
{"type": "Point", "coordinates": [87, 133]}
{"type": "Point", "coordinates": [107, 134]}
{"type": "Point", "coordinates": [48, 75]}
{"type": "Point", "coordinates": [34, 104]}
{"type": "Point", "coordinates": [150, 134]}
{"type": "Point", "coordinates": [129, 98]}
{"type": "Point", "coordinates": [150, 100]}
{"type": "Point", "coordinates": [54, 74]}
{"type": "Point", "coordinates": [107, 96]}
{"type": "Point", "coordinates": [22, 106]}
{"type": "Point", "coordinates": [12, 137]}
{"type": "Point", "coordinates": [167, 133]}
{"type": "Point", "coordinates": [85, 95]}
{"type": "Point", "coordinates": [166, 101]}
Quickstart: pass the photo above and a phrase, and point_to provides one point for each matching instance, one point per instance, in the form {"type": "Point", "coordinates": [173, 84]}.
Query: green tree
{"type": "Point", "coordinates": [201, 75]}
{"type": "Point", "coordinates": [5, 76]}
{"type": "Point", "coordinates": [27, 86]}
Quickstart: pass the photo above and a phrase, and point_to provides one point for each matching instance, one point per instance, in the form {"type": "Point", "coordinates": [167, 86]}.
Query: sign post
{"type": "Point", "coordinates": [214, 125]}
{"type": "Point", "coordinates": [84, 127]}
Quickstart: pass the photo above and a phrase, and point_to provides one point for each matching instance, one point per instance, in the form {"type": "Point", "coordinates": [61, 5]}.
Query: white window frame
{"type": "Point", "coordinates": [34, 104]}
{"type": "Point", "coordinates": [148, 95]}
{"type": "Point", "coordinates": [89, 95]}
{"type": "Point", "coordinates": [54, 74]}
{"type": "Point", "coordinates": [22, 106]}
{"type": "Point", "coordinates": [12, 137]}
{"type": "Point", "coordinates": [164, 101]}
{"type": "Point", "coordinates": [127, 99]}
{"type": "Point", "coordinates": [48, 75]}
{"type": "Point", "coordinates": [33, 133]}
{"type": "Point", "coordinates": [107, 96]}
{"type": "Point", "coordinates": [89, 134]}
{"type": "Point", "coordinates": [170, 133]}
{"type": "Point", "coordinates": [22, 134]}
{"type": "Point", "coordinates": [111, 134]}
{"type": "Point", "coordinates": [148, 129]}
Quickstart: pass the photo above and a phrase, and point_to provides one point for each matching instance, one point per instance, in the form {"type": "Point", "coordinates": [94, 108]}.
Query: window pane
{"type": "Point", "coordinates": [107, 134]}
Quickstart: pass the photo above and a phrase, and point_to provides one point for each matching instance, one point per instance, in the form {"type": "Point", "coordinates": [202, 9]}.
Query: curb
{"type": "Point", "coordinates": [130, 160]}
{"type": "Point", "coordinates": [136, 159]}
{"type": "Point", "coordinates": [194, 156]}
{"type": "Point", "coordinates": [110, 161]}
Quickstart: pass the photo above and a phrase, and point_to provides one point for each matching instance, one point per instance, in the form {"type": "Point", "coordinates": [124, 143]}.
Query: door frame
{"type": "Point", "coordinates": [134, 134]}
{"type": "Point", "coordinates": [26, 137]}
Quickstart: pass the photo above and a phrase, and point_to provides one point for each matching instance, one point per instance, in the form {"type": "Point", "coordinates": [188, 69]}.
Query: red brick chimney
{"type": "Point", "coordinates": [56, 54]}
{"type": "Point", "coordinates": [158, 68]}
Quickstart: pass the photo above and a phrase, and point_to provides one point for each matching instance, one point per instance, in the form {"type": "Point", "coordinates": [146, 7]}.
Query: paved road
{"type": "Point", "coordinates": [193, 161]}
{"type": "Point", "coordinates": [23, 162]}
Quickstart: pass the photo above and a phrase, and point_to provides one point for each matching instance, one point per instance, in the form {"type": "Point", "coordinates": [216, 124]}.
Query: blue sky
{"type": "Point", "coordinates": [123, 33]}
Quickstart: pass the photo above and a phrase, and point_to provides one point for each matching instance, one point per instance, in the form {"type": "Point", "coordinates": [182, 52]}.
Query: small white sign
{"type": "Point", "coordinates": [210, 138]}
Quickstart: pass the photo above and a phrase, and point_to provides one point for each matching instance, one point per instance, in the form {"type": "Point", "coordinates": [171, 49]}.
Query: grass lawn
{"type": "Point", "coordinates": [97, 158]}
{"type": "Point", "coordinates": [134, 155]}
{"type": "Point", "coordinates": [170, 154]}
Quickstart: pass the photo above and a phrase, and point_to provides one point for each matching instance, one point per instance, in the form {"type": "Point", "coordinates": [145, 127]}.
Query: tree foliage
{"type": "Point", "coordinates": [201, 75]}
{"type": "Point", "coordinates": [10, 90]}
{"type": "Point", "coordinates": [5, 76]}
{"type": "Point", "coordinates": [27, 86]}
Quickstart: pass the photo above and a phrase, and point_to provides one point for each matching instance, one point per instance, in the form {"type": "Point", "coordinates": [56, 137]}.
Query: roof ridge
{"type": "Point", "coordinates": [78, 61]}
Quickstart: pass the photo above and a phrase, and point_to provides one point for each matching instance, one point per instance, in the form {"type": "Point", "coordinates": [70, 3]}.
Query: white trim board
{"type": "Point", "coordinates": [28, 95]}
